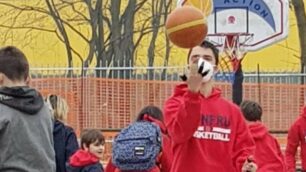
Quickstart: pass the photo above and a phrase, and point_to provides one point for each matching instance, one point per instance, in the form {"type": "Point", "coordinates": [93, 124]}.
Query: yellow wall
{"type": "Point", "coordinates": [278, 57]}
{"type": "Point", "coordinates": [43, 49]}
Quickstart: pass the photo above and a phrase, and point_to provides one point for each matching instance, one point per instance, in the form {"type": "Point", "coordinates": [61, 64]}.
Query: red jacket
{"type": "Point", "coordinates": [296, 137]}
{"type": "Point", "coordinates": [83, 160]}
{"type": "Point", "coordinates": [207, 134]}
{"type": "Point", "coordinates": [268, 154]}
{"type": "Point", "coordinates": [166, 158]}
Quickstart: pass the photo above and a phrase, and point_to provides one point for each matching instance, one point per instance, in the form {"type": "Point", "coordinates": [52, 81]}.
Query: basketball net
{"type": "Point", "coordinates": [232, 53]}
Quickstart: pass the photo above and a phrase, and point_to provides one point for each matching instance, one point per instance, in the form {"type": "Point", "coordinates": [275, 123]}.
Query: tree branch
{"type": "Point", "coordinates": [75, 30]}
{"type": "Point", "coordinates": [72, 4]}
{"type": "Point", "coordinates": [72, 49]}
{"type": "Point", "coordinates": [28, 8]}
{"type": "Point", "coordinates": [27, 27]}
{"type": "Point", "coordinates": [107, 21]}
{"type": "Point", "coordinates": [139, 5]}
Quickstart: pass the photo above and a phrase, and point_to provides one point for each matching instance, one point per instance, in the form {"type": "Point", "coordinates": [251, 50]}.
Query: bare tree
{"type": "Point", "coordinates": [167, 46]}
{"type": "Point", "coordinates": [157, 7]}
{"type": "Point", "coordinates": [56, 16]}
{"type": "Point", "coordinates": [109, 28]}
{"type": "Point", "coordinates": [30, 18]}
{"type": "Point", "coordinates": [299, 10]}
{"type": "Point", "coordinates": [160, 10]}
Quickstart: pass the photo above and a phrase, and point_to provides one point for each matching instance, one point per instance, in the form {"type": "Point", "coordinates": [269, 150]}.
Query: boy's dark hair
{"type": "Point", "coordinates": [152, 111]}
{"type": "Point", "coordinates": [251, 110]}
{"type": "Point", "coordinates": [13, 63]}
{"type": "Point", "coordinates": [207, 44]}
{"type": "Point", "coordinates": [90, 136]}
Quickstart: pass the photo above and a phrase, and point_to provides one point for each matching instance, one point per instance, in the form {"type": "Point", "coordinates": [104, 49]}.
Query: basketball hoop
{"type": "Point", "coordinates": [232, 51]}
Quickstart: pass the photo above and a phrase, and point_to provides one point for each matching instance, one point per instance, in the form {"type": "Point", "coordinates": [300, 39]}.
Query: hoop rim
{"type": "Point", "coordinates": [225, 36]}
{"type": "Point", "coordinates": [235, 49]}
{"type": "Point", "coordinates": [231, 34]}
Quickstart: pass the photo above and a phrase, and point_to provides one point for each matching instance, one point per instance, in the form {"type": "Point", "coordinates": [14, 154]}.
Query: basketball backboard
{"type": "Point", "coordinates": [266, 22]}
{"type": "Point", "coordinates": [255, 23]}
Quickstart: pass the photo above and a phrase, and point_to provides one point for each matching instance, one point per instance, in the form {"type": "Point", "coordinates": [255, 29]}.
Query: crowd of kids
{"type": "Point", "coordinates": [198, 130]}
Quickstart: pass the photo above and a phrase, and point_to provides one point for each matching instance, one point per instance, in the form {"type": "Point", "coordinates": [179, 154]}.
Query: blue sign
{"type": "Point", "coordinates": [258, 7]}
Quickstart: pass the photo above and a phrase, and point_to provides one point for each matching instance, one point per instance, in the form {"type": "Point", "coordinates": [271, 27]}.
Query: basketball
{"type": "Point", "coordinates": [186, 27]}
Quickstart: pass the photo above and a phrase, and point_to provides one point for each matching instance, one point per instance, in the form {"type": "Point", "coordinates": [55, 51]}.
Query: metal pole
{"type": "Point", "coordinates": [258, 82]}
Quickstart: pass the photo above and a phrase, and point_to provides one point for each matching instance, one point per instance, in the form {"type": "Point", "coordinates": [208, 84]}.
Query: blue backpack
{"type": "Point", "coordinates": [137, 146]}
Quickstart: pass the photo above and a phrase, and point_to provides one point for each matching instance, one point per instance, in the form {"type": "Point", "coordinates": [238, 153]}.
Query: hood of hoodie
{"type": "Point", "coordinates": [258, 130]}
{"type": "Point", "coordinates": [182, 88]}
{"type": "Point", "coordinates": [24, 99]}
{"type": "Point", "coordinates": [161, 124]}
{"type": "Point", "coordinates": [82, 158]}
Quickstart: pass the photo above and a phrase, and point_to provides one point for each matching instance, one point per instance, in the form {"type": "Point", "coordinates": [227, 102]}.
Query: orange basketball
{"type": "Point", "coordinates": [186, 27]}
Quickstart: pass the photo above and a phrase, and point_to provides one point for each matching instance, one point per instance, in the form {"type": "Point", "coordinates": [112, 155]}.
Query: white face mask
{"type": "Point", "coordinates": [208, 70]}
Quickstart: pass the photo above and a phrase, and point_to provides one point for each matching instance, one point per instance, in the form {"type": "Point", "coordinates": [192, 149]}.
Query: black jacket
{"type": "Point", "coordinates": [65, 144]}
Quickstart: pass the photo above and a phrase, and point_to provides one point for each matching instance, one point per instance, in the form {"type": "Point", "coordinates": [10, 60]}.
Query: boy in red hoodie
{"type": "Point", "coordinates": [87, 159]}
{"type": "Point", "coordinates": [208, 133]}
{"type": "Point", "coordinates": [268, 154]}
{"type": "Point", "coordinates": [297, 137]}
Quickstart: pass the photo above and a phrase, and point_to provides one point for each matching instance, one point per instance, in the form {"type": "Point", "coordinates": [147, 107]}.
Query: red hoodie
{"type": "Point", "coordinates": [296, 137]}
{"type": "Point", "coordinates": [166, 158]}
{"type": "Point", "coordinates": [268, 154]}
{"type": "Point", "coordinates": [207, 134]}
{"type": "Point", "coordinates": [84, 160]}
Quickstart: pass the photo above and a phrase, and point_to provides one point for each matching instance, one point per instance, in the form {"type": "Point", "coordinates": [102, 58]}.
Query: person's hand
{"type": "Point", "coordinates": [249, 165]}
{"type": "Point", "coordinates": [194, 79]}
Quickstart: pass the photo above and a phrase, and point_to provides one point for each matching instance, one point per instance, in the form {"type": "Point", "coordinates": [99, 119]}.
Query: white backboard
{"type": "Point", "coordinates": [265, 21]}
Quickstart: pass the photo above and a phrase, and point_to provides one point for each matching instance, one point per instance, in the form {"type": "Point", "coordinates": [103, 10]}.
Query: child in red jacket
{"type": "Point", "coordinates": [268, 154]}
{"type": "Point", "coordinates": [87, 159]}
{"type": "Point", "coordinates": [153, 114]}
{"type": "Point", "coordinates": [297, 137]}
